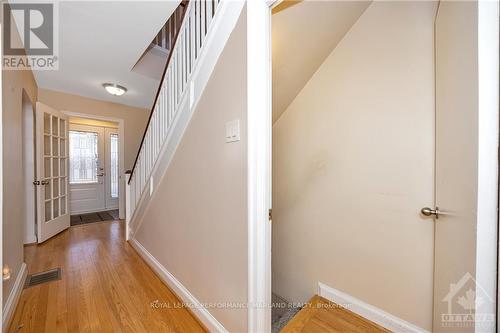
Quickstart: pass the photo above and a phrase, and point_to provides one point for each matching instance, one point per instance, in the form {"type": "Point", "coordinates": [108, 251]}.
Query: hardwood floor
{"type": "Point", "coordinates": [324, 316]}
{"type": "Point", "coordinates": [105, 287]}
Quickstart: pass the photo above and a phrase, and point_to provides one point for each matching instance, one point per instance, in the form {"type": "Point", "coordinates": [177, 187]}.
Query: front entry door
{"type": "Point", "coordinates": [52, 171]}
{"type": "Point", "coordinates": [86, 173]}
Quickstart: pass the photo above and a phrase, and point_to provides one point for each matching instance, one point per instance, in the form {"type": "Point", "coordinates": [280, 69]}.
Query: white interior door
{"type": "Point", "coordinates": [466, 118]}
{"type": "Point", "coordinates": [52, 171]}
{"type": "Point", "coordinates": [111, 176]}
{"type": "Point", "coordinates": [86, 169]}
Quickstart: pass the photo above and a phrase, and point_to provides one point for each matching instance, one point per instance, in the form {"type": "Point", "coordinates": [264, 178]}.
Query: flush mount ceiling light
{"type": "Point", "coordinates": [114, 89]}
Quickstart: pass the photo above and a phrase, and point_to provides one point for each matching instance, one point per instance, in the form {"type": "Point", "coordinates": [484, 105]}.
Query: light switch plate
{"type": "Point", "coordinates": [233, 131]}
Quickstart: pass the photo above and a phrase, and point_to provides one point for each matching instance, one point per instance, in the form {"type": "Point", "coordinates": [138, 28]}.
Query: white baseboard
{"type": "Point", "coordinates": [198, 310]}
{"type": "Point", "coordinates": [13, 299]}
{"type": "Point", "coordinates": [368, 311]}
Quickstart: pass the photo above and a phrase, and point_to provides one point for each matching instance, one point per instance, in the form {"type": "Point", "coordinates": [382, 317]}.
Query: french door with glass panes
{"type": "Point", "coordinates": [51, 172]}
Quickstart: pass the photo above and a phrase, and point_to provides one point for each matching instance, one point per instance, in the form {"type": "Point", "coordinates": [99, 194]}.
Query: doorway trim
{"type": "Point", "coordinates": [259, 146]}
{"type": "Point", "coordinates": [30, 197]}
{"type": "Point", "coordinates": [259, 131]}
{"type": "Point", "coordinates": [121, 152]}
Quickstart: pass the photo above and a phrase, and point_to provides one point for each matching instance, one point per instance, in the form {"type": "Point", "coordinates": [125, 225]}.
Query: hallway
{"type": "Point", "coordinates": [105, 287]}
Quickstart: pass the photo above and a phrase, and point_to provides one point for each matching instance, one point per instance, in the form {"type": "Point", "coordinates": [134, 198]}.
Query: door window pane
{"type": "Point", "coordinates": [55, 167]}
{"type": "Point", "coordinates": [114, 165]}
{"type": "Point", "coordinates": [55, 188]}
{"type": "Point", "coordinates": [46, 168]}
{"type": "Point", "coordinates": [55, 126]}
{"type": "Point", "coordinates": [62, 148]}
{"type": "Point", "coordinates": [63, 205]}
{"type": "Point", "coordinates": [56, 208]}
{"type": "Point", "coordinates": [62, 169]}
{"type": "Point", "coordinates": [48, 210]}
{"type": "Point", "coordinates": [55, 147]}
{"type": "Point", "coordinates": [63, 186]}
{"type": "Point", "coordinates": [82, 157]}
{"type": "Point", "coordinates": [48, 192]}
{"type": "Point", "coordinates": [62, 124]}
{"type": "Point", "coordinates": [46, 145]}
{"type": "Point", "coordinates": [46, 123]}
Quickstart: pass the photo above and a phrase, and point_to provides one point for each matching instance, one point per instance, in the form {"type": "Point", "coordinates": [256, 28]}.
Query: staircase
{"type": "Point", "coordinates": [166, 37]}
{"type": "Point", "coordinates": [205, 26]}
{"type": "Point", "coordinates": [157, 53]}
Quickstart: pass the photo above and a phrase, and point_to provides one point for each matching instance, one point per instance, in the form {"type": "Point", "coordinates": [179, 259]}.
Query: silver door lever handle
{"type": "Point", "coordinates": [429, 212]}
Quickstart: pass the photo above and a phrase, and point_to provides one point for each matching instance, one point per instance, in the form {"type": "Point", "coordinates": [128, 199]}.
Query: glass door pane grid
{"type": "Point", "coordinates": [49, 203]}
{"type": "Point", "coordinates": [55, 202]}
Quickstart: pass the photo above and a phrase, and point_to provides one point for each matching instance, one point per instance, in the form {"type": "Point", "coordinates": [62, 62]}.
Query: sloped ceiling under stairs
{"type": "Point", "coordinates": [303, 35]}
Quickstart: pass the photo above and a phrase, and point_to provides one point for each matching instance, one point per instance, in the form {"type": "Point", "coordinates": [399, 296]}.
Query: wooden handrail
{"type": "Point", "coordinates": [183, 5]}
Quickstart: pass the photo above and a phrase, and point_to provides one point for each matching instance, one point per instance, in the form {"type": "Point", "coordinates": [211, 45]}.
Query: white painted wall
{"type": "Point", "coordinates": [195, 224]}
{"type": "Point", "coordinates": [353, 163]}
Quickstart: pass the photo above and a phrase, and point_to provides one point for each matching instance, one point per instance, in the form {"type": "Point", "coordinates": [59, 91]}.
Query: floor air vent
{"type": "Point", "coordinates": [42, 277]}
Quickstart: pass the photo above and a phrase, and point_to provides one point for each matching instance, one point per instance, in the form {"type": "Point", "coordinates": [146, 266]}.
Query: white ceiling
{"type": "Point", "coordinates": [100, 41]}
{"type": "Point", "coordinates": [304, 34]}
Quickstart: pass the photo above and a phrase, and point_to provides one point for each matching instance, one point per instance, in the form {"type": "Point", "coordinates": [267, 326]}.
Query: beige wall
{"type": "Point", "coordinates": [196, 222]}
{"type": "Point", "coordinates": [14, 82]}
{"type": "Point", "coordinates": [92, 122]}
{"type": "Point", "coordinates": [353, 160]}
{"type": "Point", "coordinates": [135, 119]}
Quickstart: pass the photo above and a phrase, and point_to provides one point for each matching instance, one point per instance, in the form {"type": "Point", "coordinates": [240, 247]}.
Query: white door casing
{"type": "Point", "coordinates": [52, 171]}
{"type": "Point", "coordinates": [111, 175]}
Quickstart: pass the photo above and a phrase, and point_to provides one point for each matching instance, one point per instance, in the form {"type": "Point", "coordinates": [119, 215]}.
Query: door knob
{"type": "Point", "coordinates": [429, 211]}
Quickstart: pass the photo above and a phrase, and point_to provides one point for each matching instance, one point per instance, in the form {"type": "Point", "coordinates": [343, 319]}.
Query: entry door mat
{"type": "Point", "coordinates": [110, 215]}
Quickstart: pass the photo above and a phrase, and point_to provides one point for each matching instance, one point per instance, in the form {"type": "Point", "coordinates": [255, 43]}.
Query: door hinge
{"type": "Point", "coordinates": [270, 214]}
